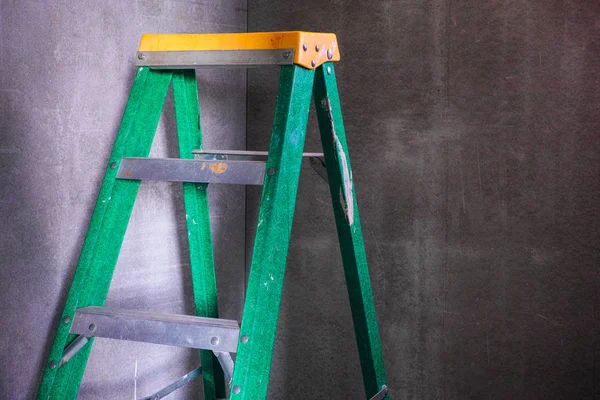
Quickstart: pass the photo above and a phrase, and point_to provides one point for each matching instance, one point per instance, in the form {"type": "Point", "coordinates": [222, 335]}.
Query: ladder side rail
{"type": "Point", "coordinates": [265, 281]}
{"type": "Point", "coordinates": [195, 197]}
{"type": "Point", "coordinates": [106, 230]}
{"type": "Point", "coordinates": [343, 195]}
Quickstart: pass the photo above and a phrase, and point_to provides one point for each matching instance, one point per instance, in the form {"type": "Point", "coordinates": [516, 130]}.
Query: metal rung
{"type": "Point", "coordinates": [181, 170]}
{"type": "Point", "coordinates": [228, 167]}
{"type": "Point", "coordinates": [167, 329]}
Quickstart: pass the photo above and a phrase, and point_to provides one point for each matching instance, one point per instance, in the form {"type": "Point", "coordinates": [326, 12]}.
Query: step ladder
{"type": "Point", "coordinates": [307, 70]}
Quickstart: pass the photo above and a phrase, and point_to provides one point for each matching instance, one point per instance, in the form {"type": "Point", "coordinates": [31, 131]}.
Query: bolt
{"type": "Point", "coordinates": [52, 365]}
{"type": "Point", "coordinates": [236, 389]}
{"type": "Point", "coordinates": [214, 340]}
{"type": "Point", "coordinates": [66, 319]}
{"type": "Point", "coordinates": [329, 54]}
{"type": "Point", "coordinates": [244, 339]}
{"type": "Point", "coordinates": [113, 165]}
{"type": "Point", "coordinates": [141, 56]}
{"type": "Point", "coordinates": [92, 327]}
{"type": "Point", "coordinates": [271, 171]}
{"type": "Point", "coordinates": [328, 70]}
{"type": "Point", "coordinates": [304, 47]}
{"type": "Point", "coordinates": [313, 63]}
{"type": "Point", "coordinates": [317, 48]}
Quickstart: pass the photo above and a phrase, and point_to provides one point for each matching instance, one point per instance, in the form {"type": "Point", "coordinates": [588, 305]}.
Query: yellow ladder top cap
{"type": "Point", "coordinates": [311, 49]}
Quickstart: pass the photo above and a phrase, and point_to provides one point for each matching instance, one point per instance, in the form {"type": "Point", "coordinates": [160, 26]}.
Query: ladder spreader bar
{"type": "Point", "coordinates": [241, 155]}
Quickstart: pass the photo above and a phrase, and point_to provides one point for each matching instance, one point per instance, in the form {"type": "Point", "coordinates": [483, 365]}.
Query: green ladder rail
{"type": "Point", "coordinates": [307, 70]}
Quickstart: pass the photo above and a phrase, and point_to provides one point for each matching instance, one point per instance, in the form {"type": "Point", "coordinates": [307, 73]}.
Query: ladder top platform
{"type": "Point", "coordinates": [169, 51]}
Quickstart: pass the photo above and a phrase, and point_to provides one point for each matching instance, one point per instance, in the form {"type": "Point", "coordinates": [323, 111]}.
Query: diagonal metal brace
{"type": "Point", "coordinates": [318, 164]}
{"type": "Point", "coordinates": [190, 376]}
{"type": "Point", "coordinates": [381, 394]}
{"type": "Point", "coordinates": [73, 348]}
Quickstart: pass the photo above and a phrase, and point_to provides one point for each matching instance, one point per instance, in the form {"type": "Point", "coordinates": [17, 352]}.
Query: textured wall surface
{"type": "Point", "coordinates": [67, 68]}
{"type": "Point", "coordinates": [473, 132]}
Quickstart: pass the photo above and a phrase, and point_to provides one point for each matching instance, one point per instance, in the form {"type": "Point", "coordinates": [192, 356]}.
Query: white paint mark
{"type": "Point", "coordinates": [194, 222]}
{"type": "Point", "coordinates": [271, 276]}
{"type": "Point", "coordinates": [479, 168]}
{"type": "Point", "coordinates": [347, 175]}
{"type": "Point", "coordinates": [487, 342]}
{"type": "Point", "coordinates": [462, 183]}
{"type": "Point", "coordinates": [135, 381]}
{"type": "Point", "coordinates": [450, 312]}
{"type": "Point", "coordinates": [347, 183]}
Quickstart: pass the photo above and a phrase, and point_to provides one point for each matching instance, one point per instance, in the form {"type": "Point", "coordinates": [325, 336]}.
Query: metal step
{"type": "Point", "coordinates": [150, 327]}
{"type": "Point", "coordinates": [223, 166]}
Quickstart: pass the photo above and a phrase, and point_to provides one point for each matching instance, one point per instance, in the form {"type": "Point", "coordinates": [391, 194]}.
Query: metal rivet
{"type": "Point", "coordinates": [214, 340]}
{"type": "Point", "coordinates": [304, 47]}
{"type": "Point", "coordinates": [141, 56]}
{"type": "Point", "coordinates": [330, 54]}
{"type": "Point", "coordinates": [271, 171]}
{"type": "Point", "coordinates": [236, 389]}
{"type": "Point", "coordinates": [313, 63]}
{"type": "Point", "coordinates": [52, 365]}
{"type": "Point", "coordinates": [317, 48]}
{"type": "Point", "coordinates": [66, 319]}
{"type": "Point", "coordinates": [92, 327]}
{"type": "Point", "coordinates": [328, 70]}
{"type": "Point", "coordinates": [113, 165]}
{"type": "Point", "coordinates": [244, 339]}
{"type": "Point", "coordinates": [287, 54]}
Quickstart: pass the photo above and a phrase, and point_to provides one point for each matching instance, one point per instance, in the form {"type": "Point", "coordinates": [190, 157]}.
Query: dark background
{"type": "Point", "coordinates": [473, 133]}
{"type": "Point", "coordinates": [473, 129]}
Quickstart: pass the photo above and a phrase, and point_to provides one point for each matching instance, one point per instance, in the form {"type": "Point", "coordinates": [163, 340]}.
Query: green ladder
{"type": "Point", "coordinates": [306, 61]}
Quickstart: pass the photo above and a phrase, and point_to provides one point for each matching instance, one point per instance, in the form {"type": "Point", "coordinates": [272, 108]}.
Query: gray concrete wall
{"type": "Point", "coordinates": [67, 67]}
{"type": "Point", "coordinates": [473, 132]}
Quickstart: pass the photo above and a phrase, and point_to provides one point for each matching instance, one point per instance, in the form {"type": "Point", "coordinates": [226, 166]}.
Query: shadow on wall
{"type": "Point", "coordinates": [47, 219]}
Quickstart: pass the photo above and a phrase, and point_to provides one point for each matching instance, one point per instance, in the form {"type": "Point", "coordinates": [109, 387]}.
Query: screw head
{"type": "Point", "coordinates": [313, 63]}
{"type": "Point", "coordinates": [329, 54]}
{"type": "Point", "coordinates": [214, 340]}
{"type": "Point", "coordinates": [287, 54]}
{"type": "Point", "coordinates": [52, 365]}
{"type": "Point", "coordinates": [317, 48]}
{"type": "Point", "coordinates": [92, 327]}
{"type": "Point", "coordinates": [304, 47]}
{"type": "Point", "coordinates": [141, 56]}
{"type": "Point", "coordinates": [66, 319]}
{"type": "Point", "coordinates": [271, 171]}
{"type": "Point", "coordinates": [113, 165]}
{"type": "Point", "coordinates": [244, 339]}
{"type": "Point", "coordinates": [236, 389]}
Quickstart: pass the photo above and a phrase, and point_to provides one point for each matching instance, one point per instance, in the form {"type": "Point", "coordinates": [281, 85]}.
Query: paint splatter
{"type": "Point", "coordinates": [218, 168]}
{"type": "Point", "coordinates": [347, 175]}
